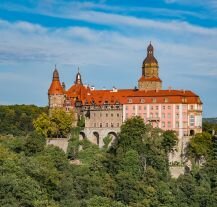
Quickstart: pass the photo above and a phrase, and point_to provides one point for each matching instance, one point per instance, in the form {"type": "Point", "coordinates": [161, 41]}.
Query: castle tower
{"type": "Point", "coordinates": [150, 72]}
{"type": "Point", "coordinates": [56, 95]}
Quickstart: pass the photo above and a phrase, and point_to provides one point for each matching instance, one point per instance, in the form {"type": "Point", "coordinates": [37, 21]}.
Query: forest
{"type": "Point", "coordinates": [133, 171]}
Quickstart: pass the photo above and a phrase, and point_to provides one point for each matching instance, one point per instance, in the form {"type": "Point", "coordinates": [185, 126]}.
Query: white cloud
{"type": "Point", "coordinates": [119, 48]}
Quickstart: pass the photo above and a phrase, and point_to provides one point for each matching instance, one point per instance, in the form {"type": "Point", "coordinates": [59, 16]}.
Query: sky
{"type": "Point", "coordinates": [107, 40]}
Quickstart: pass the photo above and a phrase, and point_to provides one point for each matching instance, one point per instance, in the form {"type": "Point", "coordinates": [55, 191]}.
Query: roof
{"type": "Point", "coordinates": [55, 88]}
{"type": "Point", "coordinates": [143, 78]}
{"type": "Point", "coordinates": [130, 96]}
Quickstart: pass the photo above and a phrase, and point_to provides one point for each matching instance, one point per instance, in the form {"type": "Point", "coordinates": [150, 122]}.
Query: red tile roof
{"type": "Point", "coordinates": [130, 96]}
{"type": "Point", "coordinates": [55, 88]}
{"type": "Point", "coordinates": [143, 78]}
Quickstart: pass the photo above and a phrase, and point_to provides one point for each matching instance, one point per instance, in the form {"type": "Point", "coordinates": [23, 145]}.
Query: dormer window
{"type": "Point", "coordinates": [130, 100]}
{"type": "Point", "coordinates": [142, 100]}
{"type": "Point", "coordinates": [166, 100]}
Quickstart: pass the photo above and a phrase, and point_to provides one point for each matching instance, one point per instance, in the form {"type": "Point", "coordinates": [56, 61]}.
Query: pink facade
{"type": "Point", "coordinates": [185, 119]}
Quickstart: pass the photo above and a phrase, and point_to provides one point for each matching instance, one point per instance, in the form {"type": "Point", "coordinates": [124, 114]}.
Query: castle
{"type": "Point", "coordinates": [106, 110]}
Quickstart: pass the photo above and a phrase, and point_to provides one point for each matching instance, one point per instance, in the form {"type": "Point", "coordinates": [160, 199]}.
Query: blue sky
{"type": "Point", "coordinates": [107, 40]}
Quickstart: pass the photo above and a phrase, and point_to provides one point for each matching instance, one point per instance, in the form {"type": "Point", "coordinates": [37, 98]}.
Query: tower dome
{"type": "Point", "coordinates": [150, 59]}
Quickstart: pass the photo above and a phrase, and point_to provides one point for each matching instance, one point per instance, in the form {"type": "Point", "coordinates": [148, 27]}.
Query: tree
{"type": "Point", "coordinates": [58, 124]}
{"type": "Point", "coordinates": [169, 141]}
{"type": "Point", "coordinates": [200, 146]}
{"type": "Point", "coordinates": [131, 135]}
{"type": "Point", "coordinates": [98, 201]}
{"type": "Point", "coordinates": [34, 143]}
{"type": "Point", "coordinates": [17, 119]}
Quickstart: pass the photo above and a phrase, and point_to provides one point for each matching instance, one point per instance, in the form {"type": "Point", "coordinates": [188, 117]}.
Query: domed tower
{"type": "Point", "coordinates": [150, 72]}
{"type": "Point", "coordinates": [56, 95]}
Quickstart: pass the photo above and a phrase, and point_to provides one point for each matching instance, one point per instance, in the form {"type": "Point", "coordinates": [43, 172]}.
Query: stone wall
{"type": "Point", "coordinates": [62, 143]}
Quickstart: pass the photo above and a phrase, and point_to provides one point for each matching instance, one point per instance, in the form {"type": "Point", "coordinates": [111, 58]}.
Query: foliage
{"type": "Point", "coordinates": [132, 172]}
{"type": "Point", "coordinates": [81, 121]}
{"type": "Point", "coordinates": [210, 126]}
{"type": "Point", "coordinates": [17, 119]}
{"type": "Point", "coordinates": [98, 201]}
{"type": "Point", "coordinates": [74, 143]}
{"type": "Point", "coordinates": [170, 140]}
{"type": "Point", "coordinates": [200, 146]}
{"type": "Point", "coordinates": [58, 124]}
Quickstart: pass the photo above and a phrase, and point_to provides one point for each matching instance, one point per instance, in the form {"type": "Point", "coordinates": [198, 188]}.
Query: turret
{"type": "Point", "coordinates": [150, 72]}
{"type": "Point", "coordinates": [56, 92]}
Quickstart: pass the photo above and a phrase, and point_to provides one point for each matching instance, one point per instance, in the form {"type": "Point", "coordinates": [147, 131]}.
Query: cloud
{"type": "Point", "coordinates": [111, 55]}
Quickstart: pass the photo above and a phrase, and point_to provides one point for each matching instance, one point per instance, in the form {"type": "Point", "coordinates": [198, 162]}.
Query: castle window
{"type": "Point", "coordinates": [100, 125]}
{"type": "Point", "coordinates": [151, 115]}
{"type": "Point", "coordinates": [130, 100]}
{"type": "Point", "coordinates": [142, 100]}
{"type": "Point", "coordinates": [111, 115]}
{"type": "Point", "coordinates": [168, 124]}
{"type": "Point", "coordinates": [112, 125]}
{"type": "Point", "coordinates": [144, 107]}
{"type": "Point", "coordinates": [177, 116]}
{"type": "Point", "coordinates": [106, 115]}
{"type": "Point", "coordinates": [163, 124]}
{"type": "Point", "coordinates": [156, 107]}
{"type": "Point", "coordinates": [177, 124]}
{"type": "Point", "coordinates": [164, 107]}
{"type": "Point", "coordinates": [166, 100]}
{"type": "Point", "coordinates": [163, 115]}
{"type": "Point", "coordinates": [117, 114]}
{"type": "Point", "coordinates": [192, 107]}
{"type": "Point", "coordinates": [169, 115]}
{"type": "Point", "coordinates": [177, 106]}
{"type": "Point", "coordinates": [134, 107]}
{"type": "Point", "coordinates": [169, 107]}
{"type": "Point", "coordinates": [156, 114]}
{"type": "Point", "coordinates": [192, 119]}
{"type": "Point", "coordinates": [152, 107]}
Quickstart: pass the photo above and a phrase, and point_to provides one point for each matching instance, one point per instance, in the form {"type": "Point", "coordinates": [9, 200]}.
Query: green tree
{"type": "Point", "coordinates": [200, 146]}
{"type": "Point", "coordinates": [169, 141]}
{"type": "Point", "coordinates": [98, 201]}
{"type": "Point", "coordinates": [34, 143]}
{"type": "Point", "coordinates": [58, 124]}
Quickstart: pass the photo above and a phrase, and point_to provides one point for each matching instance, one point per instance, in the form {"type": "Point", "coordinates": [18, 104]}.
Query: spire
{"type": "Point", "coordinates": [55, 74]}
{"type": "Point", "coordinates": [78, 77]}
{"type": "Point", "coordinates": [150, 50]}
{"type": "Point", "coordinates": [55, 87]}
